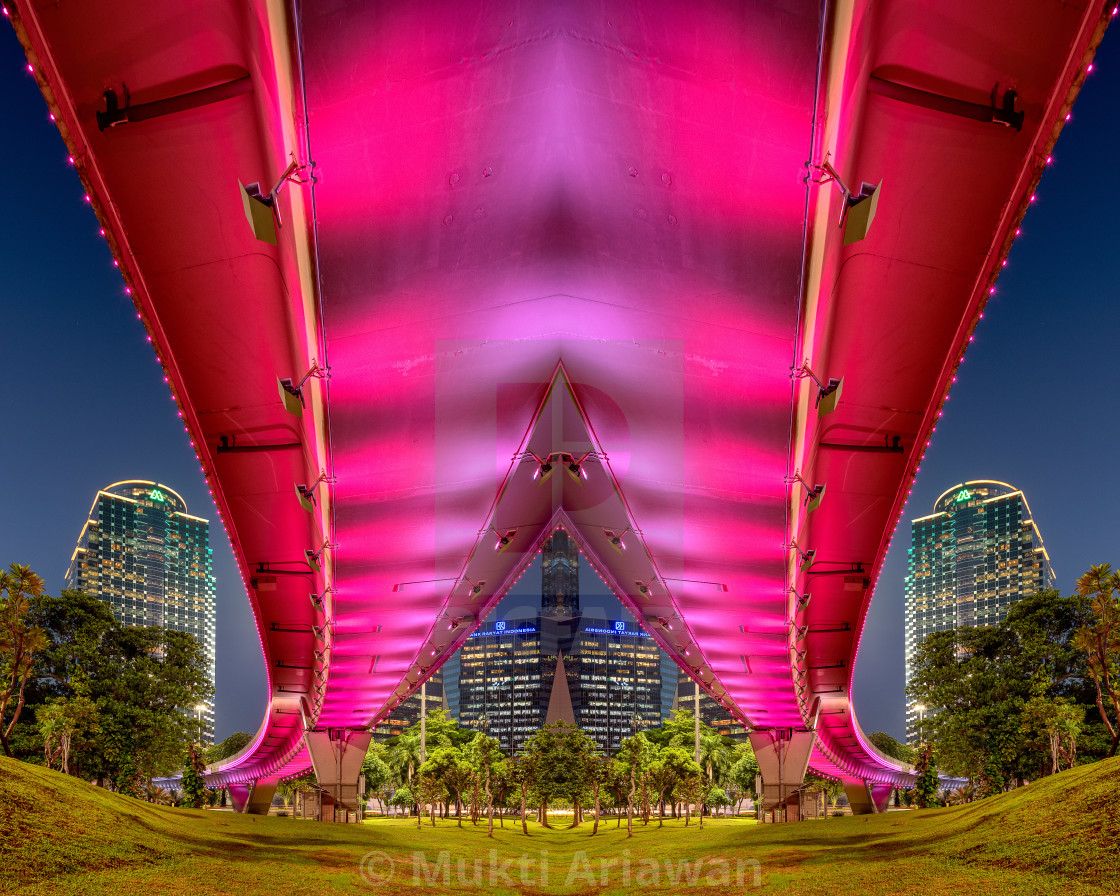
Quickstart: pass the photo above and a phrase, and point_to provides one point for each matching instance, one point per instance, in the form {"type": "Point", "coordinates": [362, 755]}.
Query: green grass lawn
{"type": "Point", "coordinates": [62, 836]}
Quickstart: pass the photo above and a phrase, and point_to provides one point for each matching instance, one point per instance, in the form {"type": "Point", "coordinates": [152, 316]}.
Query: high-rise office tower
{"type": "Point", "coordinates": [521, 671]}
{"type": "Point", "coordinates": [502, 688]}
{"type": "Point", "coordinates": [975, 555]}
{"type": "Point", "coordinates": [150, 560]}
{"type": "Point", "coordinates": [614, 681]}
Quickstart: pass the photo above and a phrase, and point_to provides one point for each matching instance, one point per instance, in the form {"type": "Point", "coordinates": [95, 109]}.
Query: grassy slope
{"type": "Point", "coordinates": [61, 836]}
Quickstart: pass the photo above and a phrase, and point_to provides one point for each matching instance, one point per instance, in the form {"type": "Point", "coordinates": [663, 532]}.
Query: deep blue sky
{"type": "Point", "coordinates": [86, 405]}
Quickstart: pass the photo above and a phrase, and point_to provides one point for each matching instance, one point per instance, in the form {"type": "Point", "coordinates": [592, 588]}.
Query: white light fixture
{"type": "Point", "coordinates": [291, 393]}
{"type": "Point", "coordinates": [858, 210]}
{"type": "Point", "coordinates": [505, 539]}
{"type": "Point", "coordinates": [544, 467]}
{"type": "Point", "coordinates": [313, 557]}
{"type": "Point", "coordinates": [575, 468]}
{"type": "Point", "coordinates": [260, 208]}
{"type": "Point", "coordinates": [828, 394]}
{"type": "Point", "coordinates": [306, 493]}
{"type": "Point", "coordinates": [806, 556]}
{"type": "Point", "coordinates": [614, 539]}
{"type": "Point", "coordinates": [814, 494]}
{"type": "Point", "coordinates": [319, 601]}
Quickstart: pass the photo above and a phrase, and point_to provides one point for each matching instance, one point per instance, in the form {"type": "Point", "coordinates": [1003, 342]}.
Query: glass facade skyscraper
{"type": "Point", "coordinates": [151, 561]}
{"type": "Point", "coordinates": [503, 685]}
{"type": "Point", "coordinates": [618, 680]}
{"type": "Point", "coordinates": [975, 555]}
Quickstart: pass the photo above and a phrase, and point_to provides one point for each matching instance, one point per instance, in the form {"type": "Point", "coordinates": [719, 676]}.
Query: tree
{"type": "Point", "coordinates": [404, 754]}
{"type": "Point", "coordinates": [744, 770]}
{"type": "Point", "coordinates": [427, 790]}
{"type": "Point", "coordinates": [20, 640]}
{"type": "Point", "coordinates": [925, 788]}
{"type": "Point", "coordinates": [501, 783]}
{"type": "Point", "coordinates": [374, 768]}
{"type": "Point", "coordinates": [558, 751]}
{"type": "Point", "coordinates": [129, 781]}
{"type": "Point", "coordinates": [1058, 723]}
{"type": "Point", "coordinates": [668, 769]}
{"type": "Point", "coordinates": [403, 798]}
{"type": "Point", "coordinates": [632, 760]}
{"type": "Point", "coordinates": [990, 780]}
{"type": "Point", "coordinates": [662, 777]}
{"type": "Point", "coordinates": [448, 767]}
{"type": "Point", "coordinates": [228, 747]}
{"type": "Point", "coordinates": [691, 789]}
{"type": "Point", "coordinates": [715, 755]}
{"type": "Point", "coordinates": [194, 786]}
{"type": "Point", "coordinates": [717, 799]}
{"type": "Point", "coordinates": [890, 746]}
{"type": "Point", "coordinates": [143, 681]}
{"type": "Point", "coordinates": [144, 698]}
{"type": "Point", "coordinates": [523, 771]}
{"type": "Point", "coordinates": [484, 755]}
{"type": "Point", "coordinates": [61, 720]}
{"type": "Point", "coordinates": [975, 682]}
{"type": "Point", "coordinates": [596, 772]}
{"type": "Point", "coordinates": [1099, 641]}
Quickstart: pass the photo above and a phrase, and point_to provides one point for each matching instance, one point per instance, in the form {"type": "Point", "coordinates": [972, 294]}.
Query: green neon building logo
{"type": "Point", "coordinates": [963, 495]}
{"type": "Point", "coordinates": [157, 495]}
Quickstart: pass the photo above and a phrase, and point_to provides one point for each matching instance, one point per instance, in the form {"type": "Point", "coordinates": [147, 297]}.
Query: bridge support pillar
{"type": "Point", "coordinates": [239, 796]}
{"type": "Point", "coordinates": [255, 798]}
{"type": "Point", "coordinates": [783, 757]}
{"type": "Point", "coordinates": [337, 755]}
{"type": "Point", "coordinates": [260, 797]}
{"type": "Point", "coordinates": [868, 799]}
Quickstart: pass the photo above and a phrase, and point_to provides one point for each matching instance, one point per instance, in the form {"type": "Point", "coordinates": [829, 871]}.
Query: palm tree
{"type": "Point", "coordinates": [715, 756]}
{"type": "Point", "coordinates": [966, 793]}
{"type": "Point", "coordinates": [404, 755]}
{"type": "Point", "coordinates": [1100, 642]}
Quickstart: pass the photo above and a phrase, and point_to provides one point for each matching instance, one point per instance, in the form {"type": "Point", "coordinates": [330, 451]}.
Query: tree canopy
{"type": "Point", "coordinates": [976, 683]}
{"type": "Point", "coordinates": [108, 701]}
{"type": "Point", "coordinates": [226, 748]}
{"type": "Point", "coordinates": [892, 747]}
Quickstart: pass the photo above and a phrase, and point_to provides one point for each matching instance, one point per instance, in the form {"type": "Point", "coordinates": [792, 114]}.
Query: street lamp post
{"type": "Point", "coordinates": [199, 707]}
{"type": "Point", "coordinates": [608, 717]}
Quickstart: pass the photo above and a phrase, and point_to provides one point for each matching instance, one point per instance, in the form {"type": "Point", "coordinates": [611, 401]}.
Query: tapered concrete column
{"type": "Point", "coordinates": [867, 799]}
{"type": "Point", "coordinates": [881, 796]}
{"type": "Point", "coordinates": [260, 797]}
{"type": "Point", "coordinates": [239, 796]}
{"type": "Point", "coordinates": [783, 756]}
{"type": "Point", "coordinates": [255, 799]}
{"type": "Point", "coordinates": [337, 755]}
